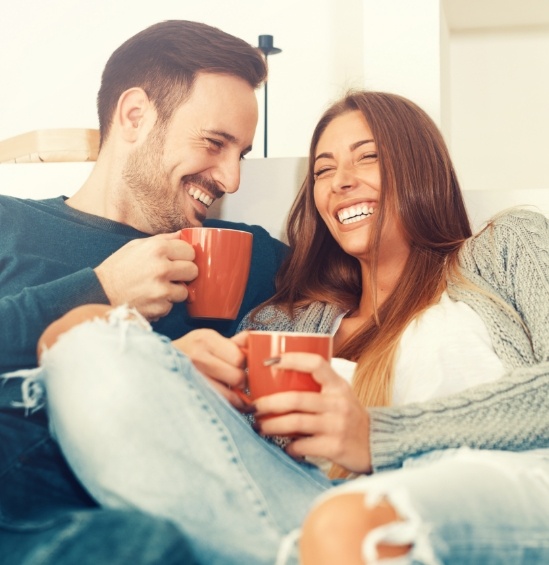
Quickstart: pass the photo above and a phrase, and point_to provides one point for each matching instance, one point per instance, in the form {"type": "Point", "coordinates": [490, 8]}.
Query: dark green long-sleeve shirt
{"type": "Point", "coordinates": [47, 255]}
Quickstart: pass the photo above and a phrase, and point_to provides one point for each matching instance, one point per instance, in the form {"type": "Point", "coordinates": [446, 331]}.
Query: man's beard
{"type": "Point", "coordinates": [150, 188]}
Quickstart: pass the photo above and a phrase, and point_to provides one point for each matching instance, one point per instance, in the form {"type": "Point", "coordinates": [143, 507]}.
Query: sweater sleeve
{"type": "Point", "coordinates": [512, 257]}
{"type": "Point", "coordinates": [511, 414]}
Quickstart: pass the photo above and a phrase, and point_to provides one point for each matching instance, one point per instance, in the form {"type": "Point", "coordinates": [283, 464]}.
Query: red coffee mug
{"type": "Point", "coordinates": [223, 259]}
{"type": "Point", "coordinates": [265, 379]}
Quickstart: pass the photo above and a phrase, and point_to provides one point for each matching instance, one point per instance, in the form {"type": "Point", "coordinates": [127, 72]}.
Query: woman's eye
{"type": "Point", "coordinates": [320, 173]}
{"type": "Point", "coordinates": [368, 157]}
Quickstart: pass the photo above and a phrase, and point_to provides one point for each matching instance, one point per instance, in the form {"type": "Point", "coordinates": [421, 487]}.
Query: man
{"type": "Point", "coordinates": [177, 113]}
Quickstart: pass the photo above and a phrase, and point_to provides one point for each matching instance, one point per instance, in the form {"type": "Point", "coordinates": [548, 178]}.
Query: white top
{"type": "Point", "coordinates": [445, 350]}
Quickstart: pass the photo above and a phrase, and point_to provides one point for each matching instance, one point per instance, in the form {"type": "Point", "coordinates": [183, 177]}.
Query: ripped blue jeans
{"type": "Point", "coordinates": [47, 518]}
{"type": "Point", "coordinates": [141, 428]}
{"type": "Point", "coordinates": [462, 507]}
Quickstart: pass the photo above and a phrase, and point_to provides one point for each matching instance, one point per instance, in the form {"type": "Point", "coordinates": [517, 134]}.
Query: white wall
{"type": "Point", "coordinates": [500, 108]}
{"type": "Point", "coordinates": [52, 53]}
{"type": "Point", "coordinates": [488, 90]}
{"type": "Point", "coordinates": [403, 50]}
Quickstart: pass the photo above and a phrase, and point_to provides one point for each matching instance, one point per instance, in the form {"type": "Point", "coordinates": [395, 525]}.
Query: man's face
{"type": "Point", "coordinates": [177, 173]}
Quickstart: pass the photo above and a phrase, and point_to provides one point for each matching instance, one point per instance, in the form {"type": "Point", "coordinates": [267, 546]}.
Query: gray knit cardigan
{"type": "Point", "coordinates": [509, 260]}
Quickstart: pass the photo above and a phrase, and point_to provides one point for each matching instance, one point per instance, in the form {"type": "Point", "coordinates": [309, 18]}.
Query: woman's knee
{"type": "Point", "coordinates": [335, 530]}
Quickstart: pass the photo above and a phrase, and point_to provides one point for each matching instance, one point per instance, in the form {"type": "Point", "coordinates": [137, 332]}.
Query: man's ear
{"type": "Point", "coordinates": [135, 114]}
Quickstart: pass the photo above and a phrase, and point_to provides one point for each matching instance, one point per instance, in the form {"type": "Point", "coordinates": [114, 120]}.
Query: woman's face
{"type": "Point", "coordinates": [347, 188]}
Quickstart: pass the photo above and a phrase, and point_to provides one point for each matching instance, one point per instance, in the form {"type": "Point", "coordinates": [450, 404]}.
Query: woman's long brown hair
{"type": "Point", "coordinates": [419, 184]}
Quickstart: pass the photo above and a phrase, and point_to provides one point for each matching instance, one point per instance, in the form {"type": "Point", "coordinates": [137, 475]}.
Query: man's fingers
{"type": "Point", "coordinates": [171, 235]}
{"type": "Point", "coordinates": [241, 338]}
{"type": "Point", "coordinates": [182, 271]}
{"type": "Point", "coordinates": [237, 399]}
{"type": "Point", "coordinates": [180, 251]}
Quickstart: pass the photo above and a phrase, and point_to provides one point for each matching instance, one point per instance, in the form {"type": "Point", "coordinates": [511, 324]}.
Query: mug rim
{"type": "Point", "coordinates": [216, 229]}
{"type": "Point", "coordinates": [290, 334]}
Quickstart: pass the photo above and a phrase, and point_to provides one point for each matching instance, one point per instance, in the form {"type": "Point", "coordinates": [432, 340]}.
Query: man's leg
{"type": "Point", "coordinates": [46, 517]}
{"type": "Point", "coordinates": [142, 428]}
{"type": "Point", "coordinates": [94, 537]}
{"type": "Point", "coordinates": [35, 478]}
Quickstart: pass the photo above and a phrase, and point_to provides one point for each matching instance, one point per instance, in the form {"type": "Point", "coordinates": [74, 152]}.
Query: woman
{"type": "Point", "coordinates": [375, 234]}
{"type": "Point", "coordinates": [382, 257]}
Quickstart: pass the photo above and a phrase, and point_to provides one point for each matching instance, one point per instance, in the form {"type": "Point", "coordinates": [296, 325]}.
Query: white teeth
{"type": "Point", "coordinates": [355, 213]}
{"type": "Point", "coordinates": [197, 194]}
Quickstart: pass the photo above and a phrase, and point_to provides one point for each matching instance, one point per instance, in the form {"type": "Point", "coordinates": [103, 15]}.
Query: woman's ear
{"type": "Point", "coordinates": [134, 115]}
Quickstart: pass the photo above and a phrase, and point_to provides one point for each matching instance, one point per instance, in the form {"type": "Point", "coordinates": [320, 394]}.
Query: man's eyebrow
{"type": "Point", "coordinates": [352, 147]}
{"type": "Point", "coordinates": [227, 136]}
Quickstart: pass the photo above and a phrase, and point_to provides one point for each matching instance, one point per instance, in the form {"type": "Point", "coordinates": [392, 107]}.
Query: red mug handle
{"type": "Point", "coordinates": [190, 295]}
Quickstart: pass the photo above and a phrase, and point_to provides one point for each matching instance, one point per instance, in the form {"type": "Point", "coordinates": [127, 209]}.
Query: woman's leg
{"type": "Point", "coordinates": [142, 428]}
{"type": "Point", "coordinates": [334, 531]}
{"type": "Point", "coordinates": [466, 507]}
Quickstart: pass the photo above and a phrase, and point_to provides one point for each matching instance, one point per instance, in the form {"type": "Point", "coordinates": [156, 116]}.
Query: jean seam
{"type": "Point", "coordinates": [259, 505]}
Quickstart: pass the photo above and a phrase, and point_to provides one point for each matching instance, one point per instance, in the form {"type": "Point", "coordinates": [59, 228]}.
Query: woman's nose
{"type": "Point", "coordinates": [343, 179]}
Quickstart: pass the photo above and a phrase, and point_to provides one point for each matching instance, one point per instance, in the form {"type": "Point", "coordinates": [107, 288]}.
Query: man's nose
{"type": "Point", "coordinates": [227, 175]}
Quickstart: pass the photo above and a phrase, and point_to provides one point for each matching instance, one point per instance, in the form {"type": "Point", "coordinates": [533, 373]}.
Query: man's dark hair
{"type": "Point", "coordinates": [164, 60]}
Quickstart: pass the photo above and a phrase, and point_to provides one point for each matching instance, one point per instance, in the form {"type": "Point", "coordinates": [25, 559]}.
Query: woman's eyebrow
{"type": "Point", "coordinates": [352, 147]}
{"type": "Point", "coordinates": [357, 144]}
{"type": "Point", "coordinates": [324, 156]}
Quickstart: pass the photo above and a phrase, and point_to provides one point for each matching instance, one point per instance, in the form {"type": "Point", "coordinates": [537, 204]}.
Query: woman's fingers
{"type": "Point", "coordinates": [284, 402]}
{"type": "Point", "coordinates": [289, 424]}
{"type": "Point", "coordinates": [309, 363]}
{"type": "Point", "coordinates": [330, 423]}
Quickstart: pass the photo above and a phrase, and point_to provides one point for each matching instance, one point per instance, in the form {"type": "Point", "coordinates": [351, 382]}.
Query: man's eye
{"type": "Point", "coordinates": [218, 144]}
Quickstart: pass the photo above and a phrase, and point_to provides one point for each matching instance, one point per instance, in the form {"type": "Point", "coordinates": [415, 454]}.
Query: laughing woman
{"type": "Point", "coordinates": [383, 257]}
{"type": "Point", "coordinates": [375, 235]}
{"type": "Point", "coordinates": [422, 312]}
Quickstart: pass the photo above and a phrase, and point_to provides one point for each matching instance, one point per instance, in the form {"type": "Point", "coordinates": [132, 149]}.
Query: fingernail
{"type": "Point", "coordinates": [271, 361]}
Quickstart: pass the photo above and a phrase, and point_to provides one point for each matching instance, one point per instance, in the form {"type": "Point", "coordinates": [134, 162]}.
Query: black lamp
{"type": "Point", "coordinates": [266, 46]}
